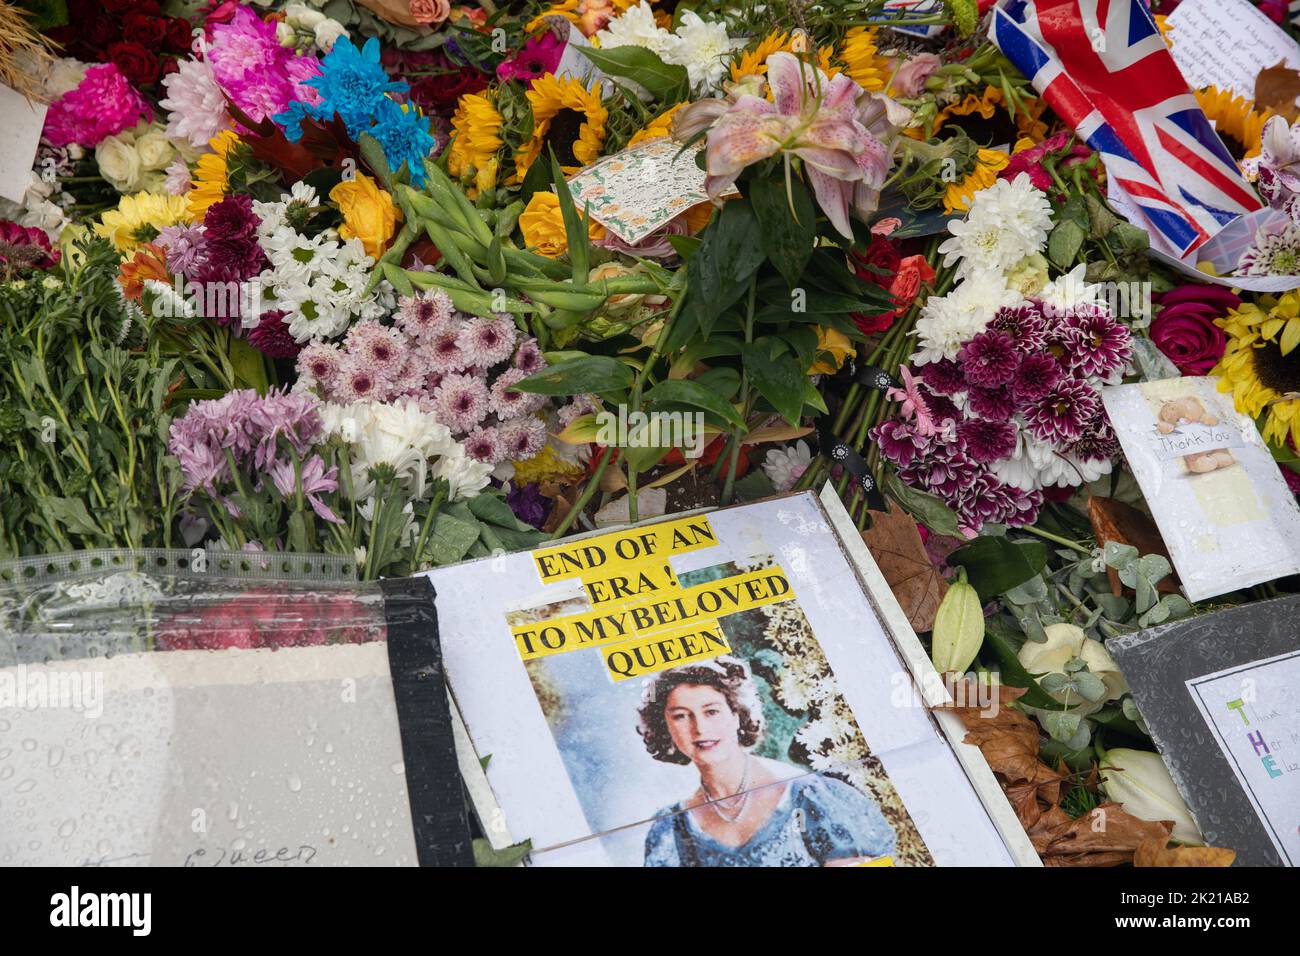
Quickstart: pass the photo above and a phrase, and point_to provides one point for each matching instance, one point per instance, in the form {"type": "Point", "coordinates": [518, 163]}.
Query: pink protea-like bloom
{"type": "Point", "coordinates": [488, 342]}
{"type": "Point", "coordinates": [1025, 324]}
{"type": "Point", "coordinates": [989, 359]}
{"type": "Point", "coordinates": [944, 377]}
{"type": "Point", "coordinates": [986, 441]}
{"type": "Point", "coordinates": [195, 105]}
{"type": "Point", "coordinates": [424, 316]}
{"type": "Point", "coordinates": [528, 358]}
{"type": "Point", "coordinates": [994, 404]}
{"type": "Point", "coordinates": [841, 132]}
{"type": "Point", "coordinates": [315, 482]}
{"type": "Point", "coordinates": [102, 105]}
{"type": "Point", "coordinates": [1063, 413]}
{"type": "Point", "coordinates": [1035, 377]}
{"type": "Point", "coordinates": [383, 349]}
{"type": "Point", "coordinates": [1095, 344]}
{"type": "Point", "coordinates": [483, 444]}
{"type": "Point", "coordinates": [522, 438]}
{"type": "Point", "coordinates": [461, 402]}
{"type": "Point", "coordinates": [508, 404]}
{"type": "Point", "coordinates": [443, 352]}
{"type": "Point", "coordinates": [320, 362]}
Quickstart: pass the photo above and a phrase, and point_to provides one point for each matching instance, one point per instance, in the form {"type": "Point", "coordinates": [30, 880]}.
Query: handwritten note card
{"type": "Point", "coordinates": [1254, 713]}
{"type": "Point", "coordinates": [1225, 43]}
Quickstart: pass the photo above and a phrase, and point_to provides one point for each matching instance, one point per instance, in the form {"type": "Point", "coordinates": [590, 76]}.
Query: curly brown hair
{"type": "Point", "coordinates": [728, 675]}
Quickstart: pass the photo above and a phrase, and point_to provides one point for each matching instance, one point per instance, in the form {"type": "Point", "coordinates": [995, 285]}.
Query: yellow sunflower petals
{"type": "Point", "coordinates": [1290, 336]}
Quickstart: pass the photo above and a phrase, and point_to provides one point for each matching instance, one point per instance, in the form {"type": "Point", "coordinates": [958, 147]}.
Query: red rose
{"type": "Point", "coordinates": [179, 34]}
{"type": "Point", "coordinates": [102, 31]}
{"type": "Point", "coordinates": [146, 31]}
{"type": "Point", "coordinates": [878, 262]}
{"type": "Point", "coordinates": [136, 63]}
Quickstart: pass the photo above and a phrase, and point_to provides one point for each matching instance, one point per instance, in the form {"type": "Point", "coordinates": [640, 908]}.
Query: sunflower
{"type": "Point", "coordinates": [476, 128]}
{"type": "Point", "coordinates": [1261, 366]}
{"type": "Point", "coordinates": [211, 174]}
{"type": "Point", "coordinates": [986, 105]}
{"type": "Point", "coordinates": [657, 128]}
{"type": "Point", "coordinates": [138, 219]}
{"type": "Point", "coordinates": [957, 197]}
{"type": "Point", "coordinates": [754, 62]}
{"type": "Point", "coordinates": [568, 118]}
{"type": "Point", "coordinates": [1235, 117]}
{"type": "Point", "coordinates": [862, 60]}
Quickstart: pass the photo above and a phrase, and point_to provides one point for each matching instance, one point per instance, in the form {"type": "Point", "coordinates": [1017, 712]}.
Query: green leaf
{"type": "Point", "coordinates": [575, 227]}
{"type": "Point", "coordinates": [996, 565]}
{"type": "Point", "coordinates": [592, 373]}
{"type": "Point", "coordinates": [450, 539]}
{"type": "Point", "coordinates": [666, 83]}
{"type": "Point", "coordinates": [788, 234]}
{"type": "Point", "coordinates": [686, 392]}
{"type": "Point", "coordinates": [249, 366]}
{"type": "Point", "coordinates": [484, 855]}
{"type": "Point", "coordinates": [1064, 243]}
{"type": "Point", "coordinates": [71, 513]}
{"type": "Point", "coordinates": [780, 380]}
{"type": "Point", "coordinates": [921, 505]}
{"type": "Point", "coordinates": [721, 267]}
{"type": "Point", "coordinates": [493, 510]}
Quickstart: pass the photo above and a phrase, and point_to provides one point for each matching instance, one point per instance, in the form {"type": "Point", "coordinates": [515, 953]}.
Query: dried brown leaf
{"type": "Point", "coordinates": [1153, 852]}
{"type": "Point", "coordinates": [1276, 88]}
{"type": "Point", "coordinates": [1123, 524]}
{"type": "Point", "coordinates": [1107, 835]}
{"type": "Point", "coordinates": [895, 543]}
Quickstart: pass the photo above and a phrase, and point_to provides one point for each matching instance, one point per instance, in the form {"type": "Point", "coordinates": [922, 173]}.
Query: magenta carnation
{"type": "Point", "coordinates": [103, 105]}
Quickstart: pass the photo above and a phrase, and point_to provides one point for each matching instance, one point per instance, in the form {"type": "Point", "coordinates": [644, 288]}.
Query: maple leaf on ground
{"type": "Point", "coordinates": [1107, 835]}
{"type": "Point", "coordinates": [1123, 524]}
{"type": "Point", "coordinates": [895, 543]}
{"type": "Point", "coordinates": [1154, 853]}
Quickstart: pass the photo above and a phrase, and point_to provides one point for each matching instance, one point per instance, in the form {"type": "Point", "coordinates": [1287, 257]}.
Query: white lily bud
{"type": "Point", "coordinates": [1140, 783]}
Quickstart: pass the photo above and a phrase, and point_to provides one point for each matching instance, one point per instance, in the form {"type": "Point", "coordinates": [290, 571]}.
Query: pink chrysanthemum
{"type": "Point", "coordinates": [989, 359]}
{"type": "Point", "coordinates": [443, 352]}
{"type": "Point", "coordinates": [424, 316]}
{"type": "Point", "coordinates": [483, 444]}
{"type": "Point", "coordinates": [378, 346]}
{"type": "Point", "coordinates": [102, 105]}
{"type": "Point", "coordinates": [1063, 413]}
{"type": "Point", "coordinates": [1095, 344]}
{"type": "Point", "coordinates": [487, 342]}
{"type": "Point", "coordinates": [461, 402]}
{"type": "Point", "coordinates": [510, 404]}
{"type": "Point", "coordinates": [1036, 376]}
{"type": "Point", "coordinates": [986, 441]}
{"type": "Point", "coordinates": [900, 443]}
{"type": "Point", "coordinates": [320, 362]}
{"type": "Point", "coordinates": [522, 438]}
{"type": "Point", "coordinates": [357, 382]}
{"type": "Point", "coordinates": [195, 105]}
{"type": "Point", "coordinates": [528, 358]}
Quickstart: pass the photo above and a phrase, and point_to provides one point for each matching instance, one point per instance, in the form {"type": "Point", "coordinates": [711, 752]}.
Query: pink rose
{"type": "Point", "coordinates": [429, 12]}
{"type": "Point", "coordinates": [910, 79]}
{"type": "Point", "coordinates": [1185, 330]}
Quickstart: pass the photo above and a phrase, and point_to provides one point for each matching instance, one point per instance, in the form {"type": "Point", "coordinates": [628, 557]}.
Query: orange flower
{"type": "Point", "coordinates": [149, 262]}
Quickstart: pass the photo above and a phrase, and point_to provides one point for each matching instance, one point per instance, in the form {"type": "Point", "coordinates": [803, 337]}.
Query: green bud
{"type": "Point", "coordinates": [958, 628]}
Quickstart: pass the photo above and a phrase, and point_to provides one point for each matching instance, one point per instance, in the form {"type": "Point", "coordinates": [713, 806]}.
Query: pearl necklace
{"type": "Point", "coordinates": [742, 791]}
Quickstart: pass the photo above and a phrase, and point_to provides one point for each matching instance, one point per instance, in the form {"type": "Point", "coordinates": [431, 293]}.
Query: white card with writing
{"type": "Point", "coordinates": [1225, 43]}
{"type": "Point", "coordinates": [22, 122]}
{"type": "Point", "coordinates": [1223, 508]}
{"type": "Point", "coordinates": [1254, 713]}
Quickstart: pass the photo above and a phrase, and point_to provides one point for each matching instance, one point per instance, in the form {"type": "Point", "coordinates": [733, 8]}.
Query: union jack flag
{"type": "Point", "coordinates": [1104, 68]}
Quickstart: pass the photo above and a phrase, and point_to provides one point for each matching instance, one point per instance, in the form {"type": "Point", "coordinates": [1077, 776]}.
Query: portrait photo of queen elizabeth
{"type": "Point", "coordinates": [744, 809]}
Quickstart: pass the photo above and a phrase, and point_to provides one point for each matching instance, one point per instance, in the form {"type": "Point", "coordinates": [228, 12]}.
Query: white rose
{"type": "Point", "coordinates": [1065, 642]}
{"type": "Point", "coordinates": [64, 76]}
{"type": "Point", "coordinates": [154, 149]}
{"type": "Point", "coordinates": [285, 35]}
{"type": "Point", "coordinates": [119, 163]}
{"type": "Point", "coordinates": [327, 31]}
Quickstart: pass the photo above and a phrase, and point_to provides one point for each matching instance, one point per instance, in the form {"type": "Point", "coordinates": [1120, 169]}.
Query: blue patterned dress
{"type": "Point", "coordinates": [818, 819]}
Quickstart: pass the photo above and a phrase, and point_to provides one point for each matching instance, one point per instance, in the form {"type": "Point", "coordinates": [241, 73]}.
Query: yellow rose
{"type": "Point", "coordinates": [368, 213]}
{"type": "Point", "coordinates": [833, 347]}
{"type": "Point", "coordinates": [542, 225]}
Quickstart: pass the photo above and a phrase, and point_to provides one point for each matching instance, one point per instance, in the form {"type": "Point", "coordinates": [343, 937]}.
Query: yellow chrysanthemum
{"type": "Point", "coordinates": [211, 174]}
{"type": "Point", "coordinates": [546, 465]}
{"type": "Point", "coordinates": [476, 131]}
{"type": "Point", "coordinates": [578, 119]}
{"type": "Point", "coordinates": [754, 62]}
{"type": "Point", "coordinates": [138, 219]}
{"type": "Point", "coordinates": [1235, 117]}
{"type": "Point", "coordinates": [957, 197]}
{"type": "Point", "coordinates": [862, 60]}
{"type": "Point", "coordinates": [1259, 364]}
{"type": "Point", "coordinates": [657, 128]}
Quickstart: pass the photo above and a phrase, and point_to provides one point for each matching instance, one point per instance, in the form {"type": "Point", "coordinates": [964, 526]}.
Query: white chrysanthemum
{"type": "Point", "coordinates": [399, 435]}
{"type": "Point", "coordinates": [196, 107]}
{"type": "Point", "coordinates": [466, 476]}
{"type": "Point", "coordinates": [1035, 464]}
{"type": "Point", "coordinates": [784, 465]}
{"type": "Point", "coordinates": [1068, 292]}
{"type": "Point", "coordinates": [637, 27]}
{"type": "Point", "coordinates": [947, 322]}
{"type": "Point", "coordinates": [1006, 222]}
{"type": "Point", "coordinates": [704, 49]}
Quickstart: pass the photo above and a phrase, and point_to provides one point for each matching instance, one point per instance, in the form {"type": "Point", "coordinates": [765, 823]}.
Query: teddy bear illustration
{"type": "Point", "coordinates": [1189, 410]}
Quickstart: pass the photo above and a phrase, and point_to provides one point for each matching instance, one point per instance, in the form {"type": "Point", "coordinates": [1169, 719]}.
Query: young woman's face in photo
{"type": "Point", "coordinates": [701, 724]}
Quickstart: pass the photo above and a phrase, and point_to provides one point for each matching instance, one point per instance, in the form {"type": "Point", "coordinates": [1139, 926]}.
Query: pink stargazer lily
{"type": "Point", "coordinates": [843, 134]}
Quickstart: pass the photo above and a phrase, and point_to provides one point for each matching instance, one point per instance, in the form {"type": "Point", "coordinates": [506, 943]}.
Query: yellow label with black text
{"type": "Point", "coordinates": [610, 554]}
{"type": "Point", "coordinates": [659, 652]}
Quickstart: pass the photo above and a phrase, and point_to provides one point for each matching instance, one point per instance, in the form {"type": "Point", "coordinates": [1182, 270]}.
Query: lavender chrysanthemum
{"type": "Point", "coordinates": [461, 402]}
{"type": "Point", "coordinates": [443, 353]}
{"type": "Point", "coordinates": [510, 404]}
{"type": "Point", "coordinates": [487, 342]}
{"type": "Point", "coordinates": [528, 358]}
{"type": "Point", "coordinates": [522, 438]}
{"type": "Point", "coordinates": [377, 346]}
{"type": "Point", "coordinates": [483, 444]}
